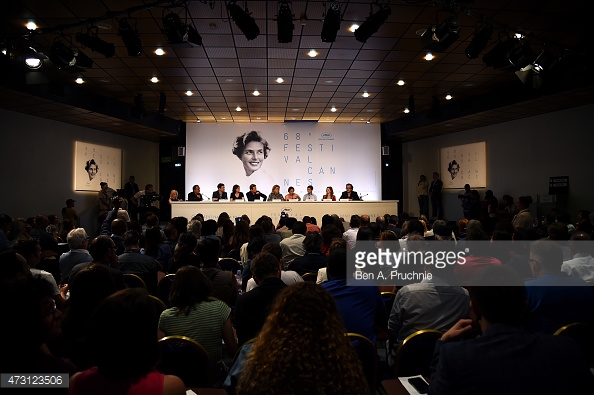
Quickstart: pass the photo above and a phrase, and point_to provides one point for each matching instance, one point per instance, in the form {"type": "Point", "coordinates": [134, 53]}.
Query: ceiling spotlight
{"type": "Point", "coordinates": [243, 20]}
{"type": "Point", "coordinates": [400, 82]}
{"type": "Point", "coordinates": [507, 55]}
{"type": "Point", "coordinates": [237, 108]}
{"type": "Point", "coordinates": [154, 80]}
{"type": "Point", "coordinates": [353, 27]}
{"type": "Point", "coordinates": [31, 26]}
{"type": "Point", "coordinates": [368, 121]}
{"type": "Point", "coordinates": [518, 36]}
{"type": "Point", "coordinates": [280, 80]}
{"type": "Point", "coordinates": [284, 23]}
{"type": "Point", "coordinates": [365, 94]}
{"type": "Point", "coordinates": [130, 38]}
{"type": "Point", "coordinates": [159, 52]}
{"type": "Point", "coordinates": [189, 93]}
{"type": "Point", "coordinates": [479, 42]}
{"type": "Point", "coordinates": [312, 53]}
{"type": "Point", "coordinates": [61, 55]}
{"type": "Point", "coordinates": [79, 80]}
{"type": "Point", "coordinates": [429, 56]}
{"type": "Point", "coordinates": [198, 120]}
{"type": "Point", "coordinates": [96, 44]}
{"type": "Point", "coordinates": [448, 97]}
{"type": "Point", "coordinates": [82, 59]}
{"type": "Point", "coordinates": [256, 93]}
{"type": "Point", "coordinates": [33, 59]}
{"type": "Point", "coordinates": [372, 24]}
{"type": "Point", "coordinates": [333, 109]}
{"type": "Point", "coordinates": [179, 34]}
{"type": "Point", "coordinates": [439, 38]}
{"type": "Point", "coordinates": [406, 110]}
{"type": "Point", "coordinates": [521, 55]}
{"type": "Point", "coordinates": [331, 23]}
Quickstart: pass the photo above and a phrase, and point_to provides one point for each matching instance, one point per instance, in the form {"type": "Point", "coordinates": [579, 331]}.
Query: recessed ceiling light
{"type": "Point", "coordinates": [280, 80]}
{"type": "Point", "coordinates": [448, 97]}
{"type": "Point", "coordinates": [31, 26]}
{"type": "Point", "coordinates": [368, 121]}
{"type": "Point", "coordinates": [237, 108]}
{"type": "Point", "coordinates": [258, 118]}
{"type": "Point", "coordinates": [200, 109]}
{"type": "Point", "coordinates": [372, 110]}
{"type": "Point", "coordinates": [293, 118]}
{"type": "Point", "coordinates": [189, 93]}
{"type": "Point", "coordinates": [159, 52]}
{"type": "Point", "coordinates": [365, 94]}
{"type": "Point", "coordinates": [406, 110]}
{"type": "Point", "coordinates": [353, 27]}
{"type": "Point", "coordinates": [362, 119]}
{"type": "Point", "coordinates": [256, 93]}
{"type": "Point", "coordinates": [229, 80]}
{"type": "Point", "coordinates": [400, 82]}
{"type": "Point", "coordinates": [329, 81]}
{"type": "Point", "coordinates": [198, 120]}
{"type": "Point", "coordinates": [154, 80]}
{"type": "Point", "coordinates": [223, 118]}
{"type": "Point", "coordinates": [312, 53]}
{"type": "Point", "coordinates": [79, 80]}
{"type": "Point", "coordinates": [295, 109]}
{"type": "Point", "coordinates": [103, 25]}
{"type": "Point", "coordinates": [429, 56]}
{"type": "Point", "coordinates": [518, 35]}
{"type": "Point", "coordinates": [333, 109]}
{"type": "Point", "coordinates": [469, 85]}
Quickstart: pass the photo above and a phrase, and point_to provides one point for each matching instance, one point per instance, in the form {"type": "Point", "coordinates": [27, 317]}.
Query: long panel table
{"type": "Point", "coordinates": [254, 210]}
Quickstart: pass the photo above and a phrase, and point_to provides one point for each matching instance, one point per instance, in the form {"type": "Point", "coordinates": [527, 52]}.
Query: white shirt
{"type": "Point", "coordinates": [308, 196]}
{"type": "Point", "coordinates": [351, 236]}
{"type": "Point", "coordinates": [582, 265]}
{"type": "Point", "coordinates": [288, 277]}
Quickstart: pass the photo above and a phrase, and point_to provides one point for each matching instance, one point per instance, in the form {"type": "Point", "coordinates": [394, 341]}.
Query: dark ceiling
{"type": "Point", "coordinates": [223, 73]}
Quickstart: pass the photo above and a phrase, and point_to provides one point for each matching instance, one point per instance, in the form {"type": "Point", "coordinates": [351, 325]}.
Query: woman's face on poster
{"type": "Point", "coordinates": [92, 171]}
{"type": "Point", "coordinates": [252, 157]}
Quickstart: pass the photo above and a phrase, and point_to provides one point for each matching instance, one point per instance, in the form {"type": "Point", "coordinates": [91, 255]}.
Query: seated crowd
{"type": "Point", "coordinates": [268, 328]}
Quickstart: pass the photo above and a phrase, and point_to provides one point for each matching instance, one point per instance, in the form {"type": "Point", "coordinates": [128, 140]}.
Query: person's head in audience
{"type": "Point", "coordinates": [365, 221]}
{"type": "Point", "coordinates": [103, 250]}
{"type": "Point", "coordinates": [364, 234]}
{"type": "Point", "coordinates": [545, 257]}
{"type": "Point", "coordinates": [298, 227]}
{"type": "Point", "coordinates": [124, 333]}
{"type": "Point", "coordinates": [13, 265]}
{"type": "Point", "coordinates": [131, 240]}
{"type": "Point", "coordinates": [375, 230]}
{"type": "Point", "coordinates": [265, 265]}
{"type": "Point", "coordinates": [245, 218]}
{"type": "Point", "coordinates": [91, 168]}
{"type": "Point", "coordinates": [152, 221]}
{"type": "Point", "coordinates": [580, 243]}
{"type": "Point", "coordinates": [414, 226]}
{"type": "Point", "coordinates": [327, 220]}
{"type": "Point", "coordinates": [180, 223]}
{"type": "Point", "coordinates": [195, 227]}
{"type": "Point", "coordinates": [30, 250]}
{"type": "Point", "coordinates": [267, 227]}
{"type": "Point", "coordinates": [77, 239]}
{"type": "Point", "coordinates": [274, 249]}
{"type": "Point", "coordinates": [337, 243]}
{"type": "Point", "coordinates": [523, 202]}
{"type": "Point", "coordinates": [209, 228]}
{"type": "Point", "coordinates": [313, 243]}
{"type": "Point", "coordinates": [87, 289]}
{"type": "Point", "coordinates": [558, 231]}
{"type": "Point", "coordinates": [209, 251]}
{"type": "Point", "coordinates": [329, 232]}
{"type": "Point", "coordinates": [170, 232]}
{"type": "Point", "coordinates": [185, 246]}
{"type": "Point", "coordinates": [255, 246]}
{"type": "Point", "coordinates": [251, 148]}
{"type": "Point", "coordinates": [190, 287]}
{"type": "Point", "coordinates": [355, 221]}
{"type": "Point", "coordinates": [320, 360]}
{"type": "Point", "coordinates": [337, 264]}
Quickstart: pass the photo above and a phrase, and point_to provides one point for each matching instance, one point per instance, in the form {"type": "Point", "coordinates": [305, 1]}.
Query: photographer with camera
{"type": "Point", "coordinates": [146, 201]}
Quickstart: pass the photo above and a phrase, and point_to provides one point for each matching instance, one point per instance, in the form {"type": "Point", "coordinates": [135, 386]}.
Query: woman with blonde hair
{"type": "Point", "coordinates": [275, 194]}
{"type": "Point", "coordinates": [302, 349]}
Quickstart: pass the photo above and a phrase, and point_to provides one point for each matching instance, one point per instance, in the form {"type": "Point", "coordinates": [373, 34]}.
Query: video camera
{"type": "Point", "coordinates": [147, 200]}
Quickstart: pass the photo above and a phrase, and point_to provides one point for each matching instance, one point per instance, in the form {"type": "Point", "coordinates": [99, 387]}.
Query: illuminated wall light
{"type": "Point", "coordinates": [448, 97]}
{"type": "Point", "coordinates": [312, 53]}
{"type": "Point", "coordinates": [400, 83]}
{"type": "Point", "coordinates": [280, 80]}
{"type": "Point", "coordinates": [154, 80]}
{"type": "Point", "coordinates": [519, 36]}
{"type": "Point", "coordinates": [333, 109]}
{"type": "Point", "coordinates": [365, 94]}
{"type": "Point", "coordinates": [79, 80]}
{"type": "Point", "coordinates": [406, 110]}
{"type": "Point", "coordinates": [429, 56]}
{"type": "Point", "coordinates": [237, 108]}
{"type": "Point", "coordinates": [256, 93]}
{"type": "Point", "coordinates": [31, 26]}
{"type": "Point", "coordinates": [159, 52]}
{"type": "Point", "coordinates": [189, 93]}
{"type": "Point", "coordinates": [353, 27]}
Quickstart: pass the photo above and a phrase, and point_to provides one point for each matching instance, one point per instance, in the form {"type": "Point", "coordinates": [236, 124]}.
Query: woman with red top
{"type": "Point", "coordinates": [329, 194]}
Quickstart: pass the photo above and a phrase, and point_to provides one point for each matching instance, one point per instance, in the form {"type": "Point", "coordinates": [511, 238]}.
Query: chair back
{"type": "Point", "coordinates": [163, 288]}
{"type": "Point", "coordinates": [134, 281]}
{"type": "Point", "coordinates": [230, 265]}
{"type": "Point", "coordinates": [388, 298]}
{"type": "Point", "coordinates": [583, 334]}
{"type": "Point", "coordinates": [186, 359]}
{"type": "Point", "coordinates": [311, 277]}
{"type": "Point", "coordinates": [414, 355]}
{"type": "Point", "coordinates": [368, 356]}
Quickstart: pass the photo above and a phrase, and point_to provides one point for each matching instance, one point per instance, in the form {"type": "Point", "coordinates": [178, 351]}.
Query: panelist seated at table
{"type": "Point", "coordinates": [220, 193]}
{"type": "Point", "coordinates": [292, 195]}
{"type": "Point", "coordinates": [275, 194]}
{"type": "Point", "coordinates": [329, 194]}
{"type": "Point", "coordinates": [236, 194]}
{"type": "Point", "coordinates": [254, 194]}
{"type": "Point", "coordinates": [195, 195]}
{"type": "Point", "coordinates": [310, 196]}
{"type": "Point", "coordinates": [349, 194]}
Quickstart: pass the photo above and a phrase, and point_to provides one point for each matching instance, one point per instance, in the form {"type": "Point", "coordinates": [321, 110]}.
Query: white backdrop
{"type": "Point", "coordinates": [301, 154]}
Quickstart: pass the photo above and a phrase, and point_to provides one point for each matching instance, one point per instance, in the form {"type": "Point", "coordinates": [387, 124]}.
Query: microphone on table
{"type": "Point", "coordinates": [362, 196]}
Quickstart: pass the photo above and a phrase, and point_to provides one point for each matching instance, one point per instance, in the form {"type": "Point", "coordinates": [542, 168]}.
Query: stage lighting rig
{"type": "Point", "coordinates": [479, 41]}
{"type": "Point", "coordinates": [439, 38]}
{"type": "Point", "coordinates": [130, 38]}
{"type": "Point", "coordinates": [372, 23]}
{"type": "Point", "coordinates": [284, 23]}
{"type": "Point", "coordinates": [243, 20]}
{"type": "Point", "coordinates": [331, 23]}
{"type": "Point", "coordinates": [95, 44]}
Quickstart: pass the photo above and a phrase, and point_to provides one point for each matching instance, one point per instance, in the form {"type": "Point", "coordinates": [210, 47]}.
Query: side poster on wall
{"type": "Point", "coordinates": [94, 164]}
{"type": "Point", "coordinates": [464, 164]}
{"type": "Point", "coordinates": [289, 155]}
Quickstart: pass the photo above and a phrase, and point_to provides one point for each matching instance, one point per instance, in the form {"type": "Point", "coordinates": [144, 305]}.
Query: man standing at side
{"type": "Point", "coordinates": [435, 193]}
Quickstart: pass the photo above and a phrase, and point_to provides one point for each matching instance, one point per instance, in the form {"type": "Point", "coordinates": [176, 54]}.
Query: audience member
{"type": "Point", "coordinates": [78, 242]}
{"type": "Point", "coordinates": [132, 261]}
{"type": "Point", "coordinates": [523, 219]}
{"type": "Point", "coordinates": [224, 284]}
{"type": "Point", "coordinates": [351, 234]}
{"type": "Point", "coordinates": [289, 277]}
{"type": "Point", "coordinates": [313, 259]}
{"type": "Point", "coordinates": [103, 251]}
{"type": "Point", "coordinates": [184, 253]}
{"type": "Point", "coordinates": [582, 263]}
{"type": "Point", "coordinates": [292, 246]}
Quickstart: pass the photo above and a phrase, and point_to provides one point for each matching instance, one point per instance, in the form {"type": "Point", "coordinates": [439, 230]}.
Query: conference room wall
{"type": "Point", "coordinates": [37, 164]}
{"type": "Point", "coordinates": [521, 156]}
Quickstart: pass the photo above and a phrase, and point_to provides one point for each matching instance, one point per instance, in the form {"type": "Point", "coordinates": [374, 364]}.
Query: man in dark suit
{"type": "Point", "coordinates": [131, 188]}
{"type": "Point", "coordinates": [195, 195]}
{"type": "Point", "coordinates": [349, 194]}
{"type": "Point", "coordinates": [253, 308]}
{"type": "Point", "coordinates": [505, 359]}
{"type": "Point", "coordinates": [435, 193]}
{"type": "Point", "coordinates": [220, 193]}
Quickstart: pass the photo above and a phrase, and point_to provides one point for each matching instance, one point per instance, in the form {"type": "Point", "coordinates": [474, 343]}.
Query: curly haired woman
{"type": "Point", "coordinates": [302, 349]}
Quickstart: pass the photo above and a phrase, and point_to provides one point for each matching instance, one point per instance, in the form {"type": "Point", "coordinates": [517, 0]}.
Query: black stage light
{"type": "Point", "coordinates": [95, 44]}
{"type": "Point", "coordinates": [193, 36]}
{"type": "Point", "coordinates": [130, 38]}
{"type": "Point", "coordinates": [372, 24]}
{"type": "Point", "coordinates": [61, 55]}
{"type": "Point", "coordinates": [439, 38]}
{"type": "Point", "coordinates": [331, 23]}
{"type": "Point", "coordinates": [243, 20]}
{"type": "Point", "coordinates": [174, 29]}
{"type": "Point", "coordinates": [83, 60]}
{"type": "Point", "coordinates": [411, 106]}
{"type": "Point", "coordinates": [498, 57]}
{"type": "Point", "coordinates": [33, 59]}
{"type": "Point", "coordinates": [521, 55]}
{"type": "Point", "coordinates": [284, 23]}
{"type": "Point", "coordinates": [479, 42]}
